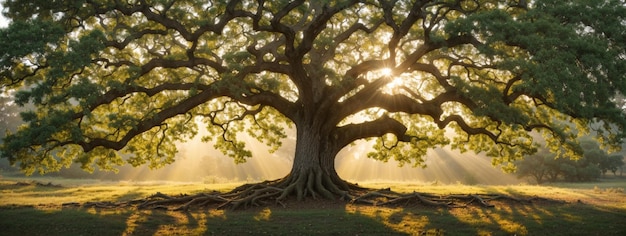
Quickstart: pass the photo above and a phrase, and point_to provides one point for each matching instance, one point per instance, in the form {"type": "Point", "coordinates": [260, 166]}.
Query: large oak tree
{"type": "Point", "coordinates": [121, 81]}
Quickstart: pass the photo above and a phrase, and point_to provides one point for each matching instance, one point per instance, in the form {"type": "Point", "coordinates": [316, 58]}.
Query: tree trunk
{"type": "Point", "coordinates": [313, 172]}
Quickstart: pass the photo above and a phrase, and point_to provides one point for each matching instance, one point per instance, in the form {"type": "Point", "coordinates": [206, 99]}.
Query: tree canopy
{"type": "Point", "coordinates": [121, 81]}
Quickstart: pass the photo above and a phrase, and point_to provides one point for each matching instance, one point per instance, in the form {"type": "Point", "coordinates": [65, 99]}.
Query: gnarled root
{"type": "Point", "coordinates": [312, 185]}
{"type": "Point", "coordinates": [386, 197]}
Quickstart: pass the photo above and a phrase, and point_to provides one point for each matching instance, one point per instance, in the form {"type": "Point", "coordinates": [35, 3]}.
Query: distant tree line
{"type": "Point", "coordinates": [594, 163]}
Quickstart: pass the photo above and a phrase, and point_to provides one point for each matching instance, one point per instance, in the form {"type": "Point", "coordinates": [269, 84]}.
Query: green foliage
{"type": "Point", "coordinates": [266, 127]}
{"type": "Point", "coordinates": [571, 60]}
{"type": "Point", "coordinates": [422, 138]}
{"type": "Point", "coordinates": [23, 43]}
{"type": "Point", "coordinates": [611, 163]}
{"type": "Point", "coordinates": [115, 82]}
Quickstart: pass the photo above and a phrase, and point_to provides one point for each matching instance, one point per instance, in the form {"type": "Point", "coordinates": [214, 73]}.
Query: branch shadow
{"type": "Point", "coordinates": [506, 218]}
{"type": "Point", "coordinates": [313, 217]}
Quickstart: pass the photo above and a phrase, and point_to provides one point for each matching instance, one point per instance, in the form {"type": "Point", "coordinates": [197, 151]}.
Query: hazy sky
{"type": "Point", "coordinates": [3, 21]}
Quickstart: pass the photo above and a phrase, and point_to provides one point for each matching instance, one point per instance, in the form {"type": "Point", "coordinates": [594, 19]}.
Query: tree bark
{"type": "Point", "coordinates": [313, 172]}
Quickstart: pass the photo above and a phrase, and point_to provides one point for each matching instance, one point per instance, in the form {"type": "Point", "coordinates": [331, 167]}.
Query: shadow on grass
{"type": "Point", "coordinates": [506, 218]}
{"type": "Point", "coordinates": [309, 218]}
{"type": "Point", "coordinates": [265, 221]}
{"type": "Point", "coordinates": [33, 221]}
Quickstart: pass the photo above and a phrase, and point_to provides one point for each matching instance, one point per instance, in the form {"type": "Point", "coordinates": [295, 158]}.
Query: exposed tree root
{"type": "Point", "coordinates": [266, 193]}
{"type": "Point", "coordinates": [386, 197]}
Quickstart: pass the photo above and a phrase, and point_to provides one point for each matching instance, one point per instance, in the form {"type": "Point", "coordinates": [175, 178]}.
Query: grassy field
{"type": "Point", "coordinates": [34, 208]}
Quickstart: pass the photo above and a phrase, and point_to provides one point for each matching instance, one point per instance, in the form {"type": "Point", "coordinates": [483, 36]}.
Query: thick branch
{"type": "Point", "coordinates": [180, 108]}
{"type": "Point", "coordinates": [369, 96]}
{"type": "Point", "coordinates": [111, 95]}
{"type": "Point", "coordinates": [279, 103]}
{"type": "Point", "coordinates": [468, 129]}
{"type": "Point", "coordinates": [391, 103]}
{"type": "Point", "coordinates": [318, 24]}
{"type": "Point", "coordinates": [347, 134]}
{"type": "Point", "coordinates": [289, 33]}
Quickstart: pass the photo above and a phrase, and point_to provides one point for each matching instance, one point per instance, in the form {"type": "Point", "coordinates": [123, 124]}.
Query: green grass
{"type": "Point", "coordinates": [591, 209]}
